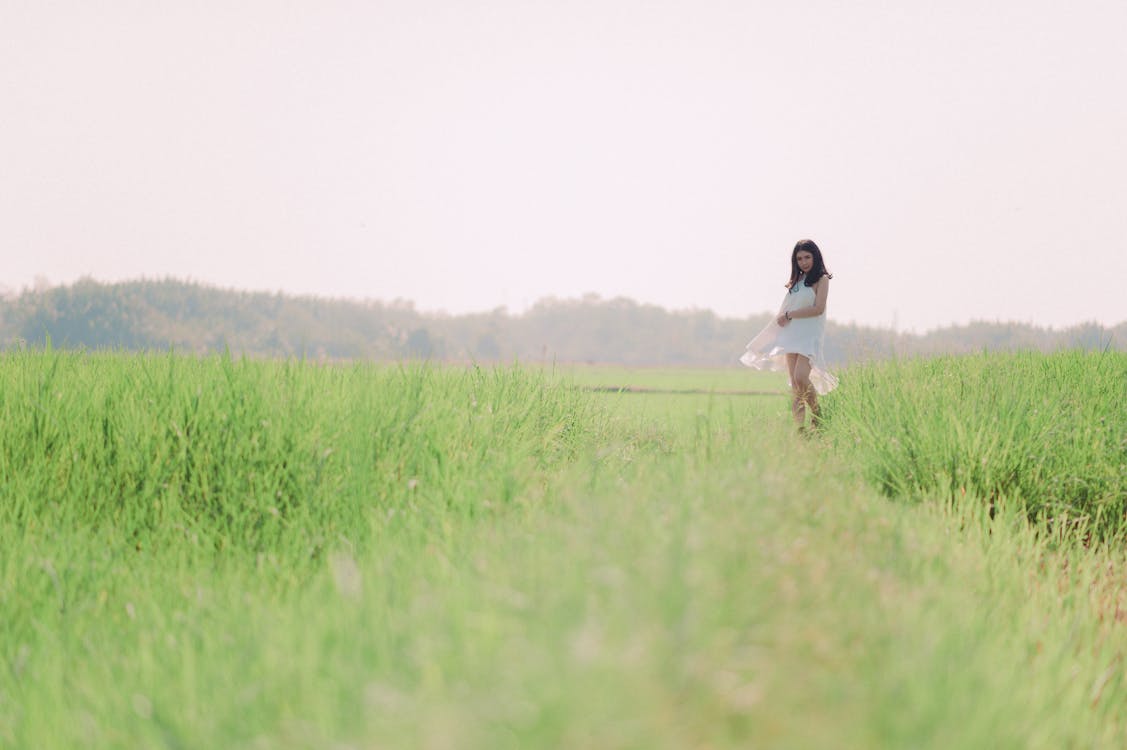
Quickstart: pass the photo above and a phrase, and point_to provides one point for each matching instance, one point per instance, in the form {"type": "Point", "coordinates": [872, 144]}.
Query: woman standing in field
{"type": "Point", "coordinates": [793, 340]}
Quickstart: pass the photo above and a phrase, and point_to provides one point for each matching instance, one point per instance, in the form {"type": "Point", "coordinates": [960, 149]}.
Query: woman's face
{"type": "Point", "coordinates": [805, 260]}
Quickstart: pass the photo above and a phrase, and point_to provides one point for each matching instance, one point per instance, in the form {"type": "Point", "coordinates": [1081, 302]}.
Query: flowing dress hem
{"type": "Point", "coordinates": [768, 350]}
{"type": "Point", "coordinates": [775, 360]}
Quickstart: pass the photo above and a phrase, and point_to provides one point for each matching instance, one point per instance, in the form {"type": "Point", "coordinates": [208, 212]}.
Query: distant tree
{"type": "Point", "coordinates": [191, 317]}
{"type": "Point", "coordinates": [1089, 336]}
{"type": "Point", "coordinates": [419, 344]}
{"type": "Point", "coordinates": [487, 347]}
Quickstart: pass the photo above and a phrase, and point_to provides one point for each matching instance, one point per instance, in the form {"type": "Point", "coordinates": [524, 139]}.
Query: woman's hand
{"type": "Point", "coordinates": [782, 320]}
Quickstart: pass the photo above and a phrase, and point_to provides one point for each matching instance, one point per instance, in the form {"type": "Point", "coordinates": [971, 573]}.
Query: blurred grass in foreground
{"type": "Point", "coordinates": [494, 559]}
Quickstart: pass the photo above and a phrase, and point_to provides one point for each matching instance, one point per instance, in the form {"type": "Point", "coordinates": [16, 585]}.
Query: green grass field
{"type": "Point", "coordinates": [200, 553]}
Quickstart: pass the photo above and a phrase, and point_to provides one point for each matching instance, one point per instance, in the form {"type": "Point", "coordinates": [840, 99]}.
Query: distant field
{"type": "Point", "coordinates": [734, 378]}
{"type": "Point", "coordinates": [684, 398]}
{"type": "Point", "coordinates": [252, 554]}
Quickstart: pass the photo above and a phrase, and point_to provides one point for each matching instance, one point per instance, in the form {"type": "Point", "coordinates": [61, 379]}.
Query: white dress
{"type": "Point", "coordinates": [768, 350]}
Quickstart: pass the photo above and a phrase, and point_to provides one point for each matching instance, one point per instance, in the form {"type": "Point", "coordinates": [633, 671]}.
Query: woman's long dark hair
{"type": "Point", "coordinates": [817, 271]}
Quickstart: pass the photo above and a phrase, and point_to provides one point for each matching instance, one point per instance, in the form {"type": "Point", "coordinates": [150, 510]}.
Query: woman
{"type": "Point", "coordinates": [793, 341]}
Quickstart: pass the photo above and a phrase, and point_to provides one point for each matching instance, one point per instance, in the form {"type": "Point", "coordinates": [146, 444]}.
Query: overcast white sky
{"type": "Point", "coordinates": [955, 160]}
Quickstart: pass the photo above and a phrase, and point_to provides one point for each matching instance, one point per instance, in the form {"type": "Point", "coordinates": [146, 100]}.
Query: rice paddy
{"type": "Point", "coordinates": [219, 552]}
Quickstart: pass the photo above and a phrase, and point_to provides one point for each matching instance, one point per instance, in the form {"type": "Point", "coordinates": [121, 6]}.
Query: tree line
{"type": "Point", "coordinates": [193, 317]}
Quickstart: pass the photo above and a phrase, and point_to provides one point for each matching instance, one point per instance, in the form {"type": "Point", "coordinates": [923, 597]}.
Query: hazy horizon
{"type": "Point", "coordinates": [955, 163]}
{"type": "Point", "coordinates": [44, 285]}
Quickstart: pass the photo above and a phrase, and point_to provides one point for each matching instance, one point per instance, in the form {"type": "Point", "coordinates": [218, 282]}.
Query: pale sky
{"type": "Point", "coordinates": [955, 160]}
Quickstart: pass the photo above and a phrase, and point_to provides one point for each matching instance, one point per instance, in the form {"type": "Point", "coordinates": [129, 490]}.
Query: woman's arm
{"type": "Point", "coordinates": [821, 291]}
{"type": "Point", "coordinates": [780, 317]}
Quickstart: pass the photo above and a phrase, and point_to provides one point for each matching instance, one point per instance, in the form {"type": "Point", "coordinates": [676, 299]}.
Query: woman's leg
{"type": "Point", "coordinates": [804, 389]}
{"type": "Point", "coordinates": [797, 405]}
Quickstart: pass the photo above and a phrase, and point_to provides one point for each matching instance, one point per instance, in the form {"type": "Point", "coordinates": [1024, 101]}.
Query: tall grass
{"type": "Point", "coordinates": [155, 509]}
{"type": "Point", "coordinates": [226, 553]}
{"type": "Point", "coordinates": [1047, 432]}
{"type": "Point", "coordinates": [241, 452]}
